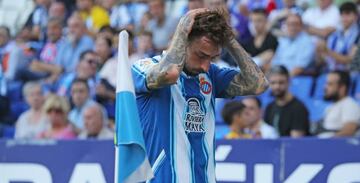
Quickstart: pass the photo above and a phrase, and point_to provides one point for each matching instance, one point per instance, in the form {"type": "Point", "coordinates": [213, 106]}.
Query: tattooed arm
{"type": "Point", "coordinates": [168, 70]}
{"type": "Point", "coordinates": [251, 80]}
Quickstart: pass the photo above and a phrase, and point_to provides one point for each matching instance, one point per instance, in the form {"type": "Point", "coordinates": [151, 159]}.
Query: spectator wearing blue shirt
{"type": "Point", "coordinates": [161, 26]}
{"type": "Point", "coordinates": [40, 19]}
{"type": "Point", "coordinates": [277, 17]}
{"type": "Point", "coordinates": [296, 50]}
{"type": "Point", "coordinates": [76, 42]}
{"type": "Point", "coordinates": [81, 99]}
{"type": "Point", "coordinates": [340, 48]}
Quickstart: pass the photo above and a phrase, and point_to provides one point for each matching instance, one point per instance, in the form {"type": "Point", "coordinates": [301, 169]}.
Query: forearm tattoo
{"type": "Point", "coordinates": [251, 80]}
{"type": "Point", "coordinates": [173, 60]}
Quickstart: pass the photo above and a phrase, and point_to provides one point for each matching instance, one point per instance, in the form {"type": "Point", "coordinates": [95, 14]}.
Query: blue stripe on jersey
{"type": "Point", "coordinates": [138, 71]}
{"type": "Point", "coordinates": [154, 60]}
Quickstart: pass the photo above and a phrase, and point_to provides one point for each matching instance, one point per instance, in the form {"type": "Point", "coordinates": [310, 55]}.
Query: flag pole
{"type": "Point", "coordinates": [131, 162]}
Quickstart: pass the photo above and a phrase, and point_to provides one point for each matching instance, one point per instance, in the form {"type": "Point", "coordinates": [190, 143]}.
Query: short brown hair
{"type": "Point", "coordinates": [214, 25]}
{"type": "Point", "coordinates": [230, 109]}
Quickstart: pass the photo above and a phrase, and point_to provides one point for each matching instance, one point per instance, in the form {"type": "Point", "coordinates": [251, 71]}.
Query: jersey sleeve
{"type": "Point", "coordinates": [222, 78]}
{"type": "Point", "coordinates": [139, 71]}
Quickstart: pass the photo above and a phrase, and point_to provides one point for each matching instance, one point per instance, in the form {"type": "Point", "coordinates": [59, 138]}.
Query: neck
{"type": "Point", "coordinates": [261, 33]}
{"type": "Point", "coordinates": [256, 125]}
{"type": "Point", "coordinates": [160, 20]}
{"type": "Point", "coordinates": [57, 126]}
{"type": "Point", "coordinates": [284, 100]}
{"type": "Point", "coordinates": [340, 98]}
{"type": "Point", "coordinates": [36, 110]}
{"type": "Point", "coordinates": [347, 27]}
{"type": "Point", "coordinates": [325, 7]}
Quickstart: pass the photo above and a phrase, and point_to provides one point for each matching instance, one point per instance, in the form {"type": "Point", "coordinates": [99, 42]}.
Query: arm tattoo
{"type": "Point", "coordinates": [174, 60]}
{"type": "Point", "coordinates": [251, 80]}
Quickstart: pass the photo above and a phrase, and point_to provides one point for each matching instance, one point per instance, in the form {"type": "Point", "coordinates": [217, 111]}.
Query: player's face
{"type": "Point", "coordinates": [200, 53]}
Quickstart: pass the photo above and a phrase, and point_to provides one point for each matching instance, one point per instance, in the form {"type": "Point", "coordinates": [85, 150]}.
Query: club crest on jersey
{"type": "Point", "coordinates": [194, 117]}
{"type": "Point", "coordinates": [145, 64]}
{"type": "Point", "coordinates": [205, 86]}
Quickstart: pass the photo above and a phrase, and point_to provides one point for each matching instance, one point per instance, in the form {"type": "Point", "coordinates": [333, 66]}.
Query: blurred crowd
{"type": "Point", "coordinates": [57, 73]}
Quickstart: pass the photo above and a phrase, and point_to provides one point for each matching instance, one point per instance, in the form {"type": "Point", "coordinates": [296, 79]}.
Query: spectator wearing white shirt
{"type": "Point", "coordinates": [342, 118]}
{"type": "Point", "coordinates": [323, 19]}
{"type": "Point", "coordinates": [33, 121]}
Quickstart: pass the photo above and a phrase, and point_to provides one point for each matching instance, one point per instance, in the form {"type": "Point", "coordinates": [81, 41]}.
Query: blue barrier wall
{"type": "Point", "coordinates": [259, 161]}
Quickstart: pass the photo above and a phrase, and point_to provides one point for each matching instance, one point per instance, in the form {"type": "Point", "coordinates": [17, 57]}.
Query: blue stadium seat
{"type": "Point", "coordinates": [316, 108]}
{"type": "Point", "coordinates": [319, 87]}
{"type": "Point", "coordinates": [221, 130]}
{"type": "Point", "coordinates": [301, 86]}
{"type": "Point", "coordinates": [14, 91]}
{"type": "Point", "coordinates": [17, 108]}
{"type": "Point", "coordinates": [357, 88]}
{"type": "Point", "coordinates": [110, 109]}
{"type": "Point", "coordinates": [219, 104]}
{"type": "Point", "coordinates": [8, 132]}
{"type": "Point", "coordinates": [266, 98]}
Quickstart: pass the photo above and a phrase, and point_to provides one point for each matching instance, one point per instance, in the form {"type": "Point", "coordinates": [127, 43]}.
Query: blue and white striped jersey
{"type": "Point", "coordinates": [178, 123]}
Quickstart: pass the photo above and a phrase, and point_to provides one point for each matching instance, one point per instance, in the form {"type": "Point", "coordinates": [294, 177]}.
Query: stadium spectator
{"type": "Point", "coordinates": [340, 48]}
{"type": "Point", "coordinates": [108, 71]}
{"type": "Point", "coordinates": [263, 44]}
{"type": "Point", "coordinates": [103, 48]}
{"type": "Point", "coordinates": [277, 18]}
{"type": "Point", "coordinates": [355, 63]}
{"type": "Point", "coordinates": [6, 44]}
{"type": "Point", "coordinates": [86, 69]}
{"type": "Point", "coordinates": [236, 116]}
{"type": "Point", "coordinates": [4, 100]}
{"type": "Point", "coordinates": [107, 32]}
{"type": "Point", "coordinates": [33, 121]}
{"type": "Point", "coordinates": [128, 15]}
{"type": "Point", "coordinates": [92, 14]}
{"type": "Point", "coordinates": [95, 122]}
{"type": "Point", "coordinates": [58, 10]}
{"type": "Point", "coordinates": [342, 118]}
{"type": "Point", "coordinates": [287, 114]}
{"type": "Point", "coordinates": [80, 97]}
{"type": "Point", "coordinates": [21, 54]}
{"type": "Point", "coordinates": [161, 26]}
{"type": "Point", "coordinates": [39, 19]}
{"type": "Point", "coordinates": [195, 4]}
{"type": "Point", "coordinates": [57, 108]}
{"type": "Point", "coordinates": [76, 42]}
{"type": "Point", "coordinates": [215, 4]}
{"type": "Point", "coordinates": [145, 46]}
{"type": "Point", "coordinates": [258, 128]}
{"type": "Point", "coordinates": [288, 52]}
{"type": "Point", "coordinates": [322, 20]}
{"type": "Point", "coordinates": [45, 67]}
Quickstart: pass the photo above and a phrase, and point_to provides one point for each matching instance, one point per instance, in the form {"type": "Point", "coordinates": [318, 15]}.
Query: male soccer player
{"type": "Point", "coordinates": [176, 93]}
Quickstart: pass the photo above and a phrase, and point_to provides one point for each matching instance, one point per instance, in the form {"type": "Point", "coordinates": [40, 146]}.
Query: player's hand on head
{"type": "Point", "coordinates": [187, 21]}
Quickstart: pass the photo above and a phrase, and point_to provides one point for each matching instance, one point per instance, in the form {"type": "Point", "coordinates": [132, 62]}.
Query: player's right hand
{"type": "Point", "coordinates": [187, 21]}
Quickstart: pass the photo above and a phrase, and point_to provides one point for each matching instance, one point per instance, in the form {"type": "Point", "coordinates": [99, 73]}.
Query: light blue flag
{"type": "Point", "coordinates": [131, 162]}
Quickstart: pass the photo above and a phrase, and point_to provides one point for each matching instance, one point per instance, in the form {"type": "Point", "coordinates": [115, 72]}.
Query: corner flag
{"type": "Point", "coordinates": [131, 162]}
